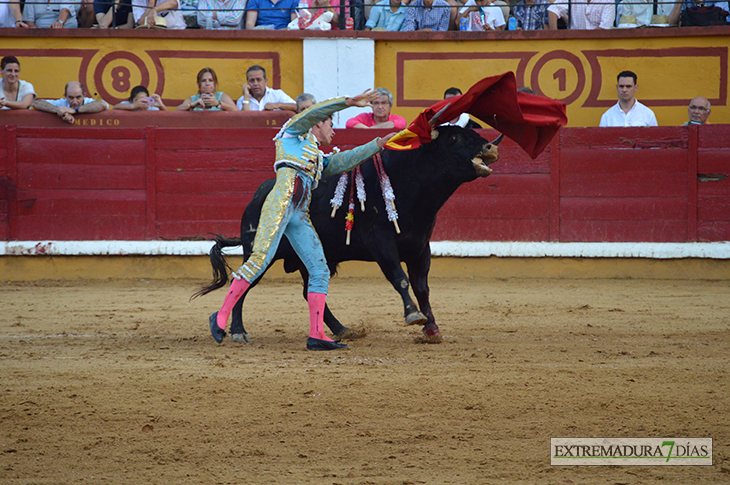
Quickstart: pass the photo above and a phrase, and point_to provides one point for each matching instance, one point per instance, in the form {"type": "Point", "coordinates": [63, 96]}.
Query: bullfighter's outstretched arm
{"type": "Point", "coordinates": [304, 121]}
{"type": "Point", "coordinates": [344, 161]}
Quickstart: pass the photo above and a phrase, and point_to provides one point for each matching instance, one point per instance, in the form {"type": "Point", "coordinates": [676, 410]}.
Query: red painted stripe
{"type": "Point", "coordinates": [623, 208]}
{"type": "Point", "coordinates": [470, 207]}
{"type": "Point", "coordinates": [623, 231]}
{"type": "Point", "coordinates": [648, 184]}
{"type": "Point", "coordinates": [492, 230]}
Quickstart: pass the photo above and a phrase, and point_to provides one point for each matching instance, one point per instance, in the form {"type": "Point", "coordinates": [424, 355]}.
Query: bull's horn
{"type": "Point", "coordinates": [498, 140]}
{"type": "Point", "coordinates": [434, 119]}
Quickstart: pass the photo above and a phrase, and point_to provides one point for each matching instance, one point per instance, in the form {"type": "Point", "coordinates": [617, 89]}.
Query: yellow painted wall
{"type": "Point", "coordinates": [672, 67]}
{"type": "Point", "coordinates": [121, 63]}
{"type": "Point", "coordinates": [34, 268]}
{"type": "Point", "coordinates": [670, 71]}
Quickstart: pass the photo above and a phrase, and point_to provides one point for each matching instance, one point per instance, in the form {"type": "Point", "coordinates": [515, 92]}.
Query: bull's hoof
{"type": "Point", "coordinates": [318, 344]}
{"type": "Point", "coordinates": [431, 335]}
{"type": "Point", "coordinates": [431, 330]}
{"type": "Point", "coordinates": [416, 318]}
{"type": "Point", "coordinates": [242, 338]}
{"type": "Point", "coordinates": [347, 333]}
{"type": "Point", "coordinates": [217, 332]}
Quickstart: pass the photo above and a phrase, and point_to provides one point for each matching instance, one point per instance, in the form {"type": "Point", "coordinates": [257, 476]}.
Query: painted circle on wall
{"type": "Point", "coordinates": [559, 75]}
{"type": "Point", "coordinates": [117, 73]}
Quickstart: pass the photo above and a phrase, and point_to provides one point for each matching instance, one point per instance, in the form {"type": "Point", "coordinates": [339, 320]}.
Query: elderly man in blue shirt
{"type": "Point", "coordinates": [427, 15]}
{"type": "Point", "coordinates": [73, 102]}
{"type": "Point", "coordinates": [387, 15]}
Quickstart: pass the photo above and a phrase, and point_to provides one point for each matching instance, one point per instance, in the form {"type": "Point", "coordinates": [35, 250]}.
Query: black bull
{"type": "Point", "coordinates": [422, 181]}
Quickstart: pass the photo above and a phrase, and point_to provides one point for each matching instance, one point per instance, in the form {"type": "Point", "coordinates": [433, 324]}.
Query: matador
{"type": "Point", "coordinates": [299, 166]}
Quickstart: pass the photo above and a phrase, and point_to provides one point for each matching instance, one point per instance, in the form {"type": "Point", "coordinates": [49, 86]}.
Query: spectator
{"type": "Point", "coordinates": [14, 93]}
{"type": "Point", "coordinates": [380, 116]}
{"type": "Point", "coordinates": [220, 14]}
{"type": "Point", "coordinates": [10, 14]}
{"type": "Point", "coordinates": [591, 15]}
{"type": "Point", "coordinates": [502, 5]}
{"type": "Point", "coordinates": [189, 9]}
{"type": "Point", "coordinates": [427, 15]}
{"type": "Point", "coordinates": [54, 14]}
{"type": "Point", "coordinates": [628, 111]}
{"type": "Point", "coordinates": [259, 97]}
{"type": "Point", "coordinates": [531, 14]}
{"type": "Point", "coordinates": [268, 14]}
{"type": "Point", "coordinates": [642, 12]}
{"type": "Point", "coordinates": [318, 7]}
{"type": "Point", "coordinates": [140, 100]}
{"type": "Point", "coordinates": [114, 14]}
{"type": "Point", "coordinates": [464, 120]}
{"type": "Point", "coordinates": [304, 101]}
{"type": "Point", "coordinates": [699, 110]}
{"type": "Point", "coordinates": [74, 102]}
{"type": "Point", "coordinates": [690, 13]}
{"type": "Point", "coordinates": [387, 15]}
{"type": "Point", "coordinates": [146, 13]}
{"type": "Point", "coordinates": [480, 16]}
{"type": "Point", "coordinates": [86, 16]}
{"type": "Point", "coordinates": [208, 99]}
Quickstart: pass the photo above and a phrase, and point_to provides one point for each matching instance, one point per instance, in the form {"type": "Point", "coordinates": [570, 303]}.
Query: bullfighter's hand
{"type": "Point", "coordinates": [364, 99]}
{"type": "Point", "coordinates": [384, 139]}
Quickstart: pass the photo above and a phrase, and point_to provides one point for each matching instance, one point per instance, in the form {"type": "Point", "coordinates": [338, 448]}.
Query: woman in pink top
{"type": "Point", "coordinates": [318, 7]}
{"type": "Point", "coordinates": [380, 117]}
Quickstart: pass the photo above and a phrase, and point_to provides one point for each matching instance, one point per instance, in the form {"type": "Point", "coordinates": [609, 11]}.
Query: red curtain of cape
{"type": "Point", "coordinates": [530, 120]}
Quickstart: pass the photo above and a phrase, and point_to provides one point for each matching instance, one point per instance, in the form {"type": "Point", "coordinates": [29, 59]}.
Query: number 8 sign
{"type": "Point", "coordinates": [117, 73]}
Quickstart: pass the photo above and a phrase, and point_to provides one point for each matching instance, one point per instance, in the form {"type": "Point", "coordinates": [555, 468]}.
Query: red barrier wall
{"type": "Point", "coordinates": [665, 184]}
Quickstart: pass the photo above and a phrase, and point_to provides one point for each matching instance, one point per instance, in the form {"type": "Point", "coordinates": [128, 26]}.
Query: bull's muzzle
{"type": "Point", "coordinates": [487, 156]}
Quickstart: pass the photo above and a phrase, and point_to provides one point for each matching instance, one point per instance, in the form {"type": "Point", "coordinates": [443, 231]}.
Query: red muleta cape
{"type": "Point", "coordinates": [530, 120]}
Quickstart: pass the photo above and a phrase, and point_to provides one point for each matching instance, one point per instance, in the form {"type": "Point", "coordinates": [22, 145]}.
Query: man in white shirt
{"type": "Point", "coordinates": [628, 111]}
{"type": "Point", "coordinates": [74, 102]}
{"type": "Point", "coordinates": [464, 120]}
{"type": "Point", "coordinates": [258, 97]}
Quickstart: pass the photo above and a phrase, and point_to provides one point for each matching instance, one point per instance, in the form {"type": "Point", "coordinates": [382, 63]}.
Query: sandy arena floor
{"type": "Point", "coordinates": [119, 382]}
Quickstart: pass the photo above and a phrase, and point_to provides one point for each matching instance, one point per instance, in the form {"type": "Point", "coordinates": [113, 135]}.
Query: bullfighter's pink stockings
{"type": "Point", "coordinates": [316, 303]}
{"type": "Point", "coordinates": [236, 291]}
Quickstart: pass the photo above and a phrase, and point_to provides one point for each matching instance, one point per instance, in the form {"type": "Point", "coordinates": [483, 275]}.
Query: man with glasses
{"type": "Point", "coordinates": [628, 111]}
{"type": "Point", "coordinates": [381, 116]}
{"type": "Point", "coordinates": [699, 110]}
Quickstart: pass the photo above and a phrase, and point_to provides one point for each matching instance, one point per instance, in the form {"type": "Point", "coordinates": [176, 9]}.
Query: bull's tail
{"type": "Point", "coordinates": [219, 264]}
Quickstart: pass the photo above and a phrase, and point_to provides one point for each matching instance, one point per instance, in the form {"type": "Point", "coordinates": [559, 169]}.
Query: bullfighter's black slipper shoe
{"type": "Point", "coordinates": [318, 344]}
{"type": "Point", "coordinates": [217, 332]}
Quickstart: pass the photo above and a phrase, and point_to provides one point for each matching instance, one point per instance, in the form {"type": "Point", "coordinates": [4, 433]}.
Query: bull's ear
{"type": "Point", "coordinates": [434, 134]}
